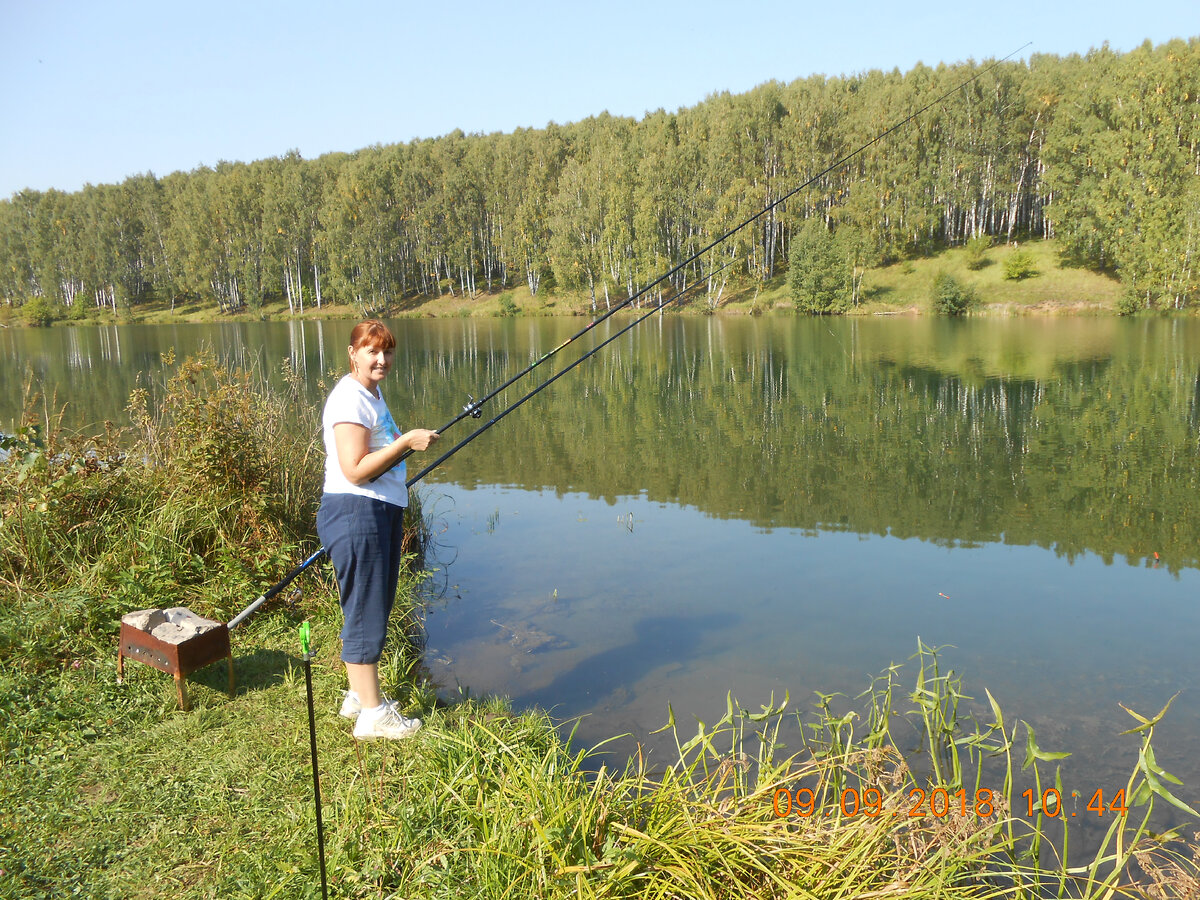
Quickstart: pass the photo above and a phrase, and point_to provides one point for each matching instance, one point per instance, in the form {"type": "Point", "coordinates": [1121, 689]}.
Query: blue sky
{"type": "Point", "coordinates": [97, 91]}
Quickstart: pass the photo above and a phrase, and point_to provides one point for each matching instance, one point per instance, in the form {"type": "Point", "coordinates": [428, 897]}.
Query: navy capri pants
{"type": "Point", "coordinates": [362, 536]}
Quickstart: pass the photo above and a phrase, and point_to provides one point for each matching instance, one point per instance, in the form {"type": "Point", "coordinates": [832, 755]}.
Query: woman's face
{"type": "Point", "coordinates": [370, 363]}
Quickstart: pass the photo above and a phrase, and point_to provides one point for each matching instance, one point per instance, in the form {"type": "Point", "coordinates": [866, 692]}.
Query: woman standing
{"type": "Point", "coordinates": [360, 522]}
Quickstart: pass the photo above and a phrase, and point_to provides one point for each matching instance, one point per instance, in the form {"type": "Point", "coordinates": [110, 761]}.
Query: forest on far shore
{"type": "Point", "coordinates": [1100, 152]}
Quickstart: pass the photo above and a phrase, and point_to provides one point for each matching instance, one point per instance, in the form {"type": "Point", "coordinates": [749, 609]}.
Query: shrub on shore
{"type": "Point", "coordinates": [1020, 265]}
{"type": "Point", "coordinates": [977, 248]}
{"type": "Point", "coordinates": [950, 296]}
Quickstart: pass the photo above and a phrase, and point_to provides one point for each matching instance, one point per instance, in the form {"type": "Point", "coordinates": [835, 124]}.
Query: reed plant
{"type": "Point", "coordinates": [205, 496]}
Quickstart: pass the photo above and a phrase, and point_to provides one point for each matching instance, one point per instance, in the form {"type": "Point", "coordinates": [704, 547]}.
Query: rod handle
{"type": "Point", "coordinates": [274, 589]}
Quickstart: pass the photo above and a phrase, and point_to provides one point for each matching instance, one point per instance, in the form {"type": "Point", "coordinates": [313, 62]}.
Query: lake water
{"type": "Point", "coordinates": [771, 506]}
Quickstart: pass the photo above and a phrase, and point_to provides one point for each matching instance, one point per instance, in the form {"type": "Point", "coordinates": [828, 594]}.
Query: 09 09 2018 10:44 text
{"type": "Point", "coordinates": [942, 802]}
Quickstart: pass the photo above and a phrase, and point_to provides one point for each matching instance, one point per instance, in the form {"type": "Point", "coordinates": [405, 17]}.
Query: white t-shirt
{"type": "Point", "coordinates": [349, 401]}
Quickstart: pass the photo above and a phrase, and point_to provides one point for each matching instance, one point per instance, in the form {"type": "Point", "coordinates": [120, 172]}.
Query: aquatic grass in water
{"type": "Point", "coordinates": [495, 805]}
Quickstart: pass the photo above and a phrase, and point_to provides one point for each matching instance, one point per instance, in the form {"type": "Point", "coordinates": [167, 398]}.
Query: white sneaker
{"type": "Point", "coordinates": [388, 724]}
{"type": "Point", "coordinates": [352, 706]}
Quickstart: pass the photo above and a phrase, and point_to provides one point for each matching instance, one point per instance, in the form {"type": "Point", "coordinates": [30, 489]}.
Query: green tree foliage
{"type": "Point", "coordinates": [950, 296]}
{"type": "Point", "coordinates": [819, 271]}
{"type": "Point", "coordinates": [1100, 151]}
{"type": "Point", "coordinates": [1019, 265]}
{"type": "Point", "coordinates": [1123, 161]}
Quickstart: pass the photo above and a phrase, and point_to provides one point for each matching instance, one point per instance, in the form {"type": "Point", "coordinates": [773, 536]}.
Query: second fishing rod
{"type": "Point", "coordinates": [474, 408]}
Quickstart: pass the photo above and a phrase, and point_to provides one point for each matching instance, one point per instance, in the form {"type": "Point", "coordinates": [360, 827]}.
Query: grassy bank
{"type": "Point", "coordinates": [1053, 290]}
{"type": "Point", "coordinates": [109, 790]}
{"type": "Point", "coordinates": [904, 287]}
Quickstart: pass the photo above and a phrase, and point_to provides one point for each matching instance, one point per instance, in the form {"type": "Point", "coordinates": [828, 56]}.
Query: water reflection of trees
{"type": "Point", "coordinates": [1095, 455]}
{"type": "Point", "coordinates": [1078, 436]}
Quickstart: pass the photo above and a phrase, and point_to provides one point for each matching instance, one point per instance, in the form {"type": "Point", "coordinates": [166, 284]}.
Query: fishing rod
{"type": "Point", "coordinates": [320, 551]}
{"type": "Point", "coordinates": [472, 409]}
{"type": "Point", "coordinates": [274, 589]}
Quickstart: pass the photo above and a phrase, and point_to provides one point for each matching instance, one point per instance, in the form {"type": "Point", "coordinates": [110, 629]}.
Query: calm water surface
{"type": "Point", "coordinates": [783, 506]}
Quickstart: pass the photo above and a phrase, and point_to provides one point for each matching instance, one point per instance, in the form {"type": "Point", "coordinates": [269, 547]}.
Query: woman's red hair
{"type": "Point", "coordinates": [372, 333]}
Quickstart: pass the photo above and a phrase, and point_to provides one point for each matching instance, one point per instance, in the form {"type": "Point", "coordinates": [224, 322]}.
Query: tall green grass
{"type": "Point", "coordinates": [202, 499]}
{"type": "Point", "coordinates": [111, 791]}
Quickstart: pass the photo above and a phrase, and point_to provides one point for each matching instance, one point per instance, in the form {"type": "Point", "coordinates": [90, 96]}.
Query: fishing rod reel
{"type": "Point", "coordinates": [472, 408]}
